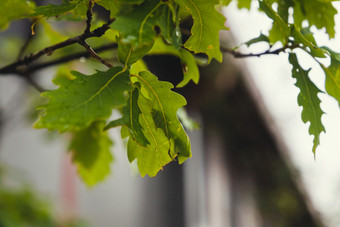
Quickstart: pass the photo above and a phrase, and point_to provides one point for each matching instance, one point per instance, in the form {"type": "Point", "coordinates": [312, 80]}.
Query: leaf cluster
{"type": "Point", "coordinates": [83, 104]}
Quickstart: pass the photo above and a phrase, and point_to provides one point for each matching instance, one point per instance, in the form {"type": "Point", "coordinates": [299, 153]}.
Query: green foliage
{"type": "Point", "coordinates": [308, 99]}
{"type": "Point", "coordinates": [82, 104]}
{"type": "Point", "coordinates": [14, 9]}
{"type": "Point", "coordinates": [204, 34]}
{"type": "Point", "coordinates": [55, 10]}
{"type": "Point", "coordinates": [91, 154]}
{"type": "Point", "coordinates": [81, 100]}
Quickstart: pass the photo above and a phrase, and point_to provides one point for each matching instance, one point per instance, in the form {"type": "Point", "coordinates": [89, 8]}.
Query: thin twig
{"type": "Point", "coordinates": [237, 54]}
{"type": "Point", "coordinates": [89, 17]}
{"type": "Point", "coordinates": [94, 54]}
{"type": "Point", "coordinates": [69, 58]}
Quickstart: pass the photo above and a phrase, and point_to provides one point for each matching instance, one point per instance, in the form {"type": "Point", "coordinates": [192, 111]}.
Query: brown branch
{"type": "Point", "coordinates": [69, 58]}
{"type": "Point", "coordinates": [94, 54]}
{"type": "Point", "coordinates": [20, 66]}
{"type": "Point", "coordinates": [89, 17]}
{"type": "Point", "coordinates": [237, 54]}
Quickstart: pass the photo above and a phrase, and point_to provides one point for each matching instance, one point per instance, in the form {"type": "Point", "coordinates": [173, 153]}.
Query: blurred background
{"type": "Point", "coordinates": [252, 161]}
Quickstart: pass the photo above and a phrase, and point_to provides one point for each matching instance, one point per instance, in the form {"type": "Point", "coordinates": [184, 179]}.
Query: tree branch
{"type": "Point", "coordinates": [89, 17]}
{"type": "Point", "coordinates": [237, 54]}
{"type": "Point", "coordinates": [20, 66]}
{"type": "Point", "coordinates": [94, 54]}
{"type": "Point", "coordinates": [71, 57]}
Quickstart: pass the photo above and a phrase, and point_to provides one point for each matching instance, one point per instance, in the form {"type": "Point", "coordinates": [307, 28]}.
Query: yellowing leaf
{"type": "Point", "coordinates": [205, 30]}
{"type": "Point", "coordinates": [91, 154]}
{"type": "Point", "coordinates": [308, 99]}
{"type": "Point", "coordinates": [79, 102]}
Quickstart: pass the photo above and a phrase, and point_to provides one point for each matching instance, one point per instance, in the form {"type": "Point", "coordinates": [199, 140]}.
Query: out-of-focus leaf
{"type": "Point", "coordinates": [79, 102]}
{"type": "Point", "coordinates": [14, 9]}
{"type": "Point", "coordinates": [244, 4]}
{"type": "Point", "coordinates": [204, 34]}
{"type": "Point", "coordinates": [91, 154]}
{"type": "Point", "coordinates": [261, 38]}
{"type": "Point", "coordinates": [309, 100]}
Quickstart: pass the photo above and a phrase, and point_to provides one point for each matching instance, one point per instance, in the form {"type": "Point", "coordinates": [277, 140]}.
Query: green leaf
{"type": "Point", "coordinates": [130, 119]}
{"type": "Point", "coordinates": [205, 30]}
{"type": "Point", "coordinates": [307, 41]}
{"type": "Point", "coordinates": [129, 53]}
{"type": "Point", "coordinates": [91, 154]}
{"type": "Point", "coordinates": [164, 104]}
{"type": "Point", "coordinates": [55, 10]}
{"type": "Point", "coordinates": [316, 12]}
{"type": "Point", "coordinates": [189, 67]}
{"type": "Point", "coordinates": [141, 23]}
{"type": "Point", "coordinates": [308, 99]}
{"type": "Point", "coordinates": [333, 75]}
{"type": "Point", "coordinates": [261, 38]}
{"type": "Point", "coordinates": [244, 4]}
{"type": "Point", "coordinates": [188, 61]}
{"type": "Point", "coordinates": [14, 9]}
{"type": "Point", "coordinates": [280, 30]}
{"type": "Point", "coordinates": [79, 102]}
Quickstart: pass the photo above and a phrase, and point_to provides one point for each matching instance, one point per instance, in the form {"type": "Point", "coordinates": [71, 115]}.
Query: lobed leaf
{"type": "Point", "coordinates": [165, 104]}
{"type": "Point", "coordinates": [205, 31]}
{"type": "Point", "coordinates": [316, 12]}
{"type": "Point", "coordinates": [91, 154]}
{"type": "Point", "coordinates": [84, 99]}
{"type": "Point", "coordinates": [308, 99]}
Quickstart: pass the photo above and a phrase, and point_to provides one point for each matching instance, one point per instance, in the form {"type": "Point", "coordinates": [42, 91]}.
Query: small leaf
{"type": "Point", "coordinates": [205, 31]}
{"type": "Point", "coordinates": [261, 38]}
{"type": "Point", "coordinates": [308, 99]}
{"type": "Point", "coordinates": [189, 67]}
{"type": "Point", "coordinates": [79, 102]}
{"type": "Point", "coordinates": [91, 154]}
